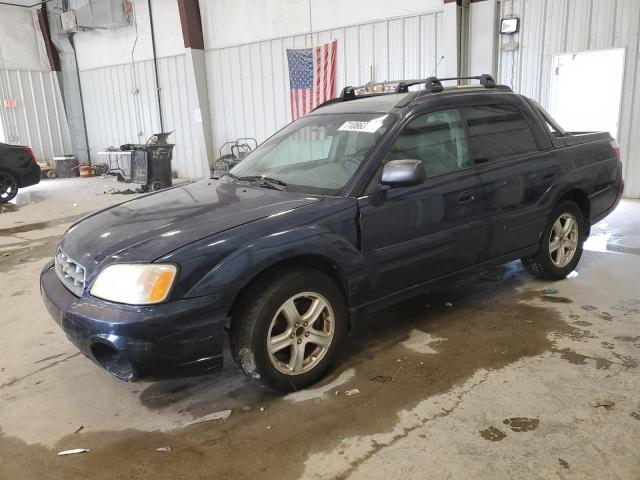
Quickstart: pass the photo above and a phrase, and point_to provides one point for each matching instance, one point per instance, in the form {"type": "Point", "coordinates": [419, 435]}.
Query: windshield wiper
{"type": "Point", "coordinates": [262, 181]}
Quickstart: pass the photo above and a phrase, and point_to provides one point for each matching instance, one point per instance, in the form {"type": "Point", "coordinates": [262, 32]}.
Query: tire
{"type": "Point", "coordinates": [51, 174]}
{"type": "Point", "coordinates": [264, 311]}
{"type": "Point", "coordinates": [8, 186]}
{"type": "Point", "coordinates": [551, 263]}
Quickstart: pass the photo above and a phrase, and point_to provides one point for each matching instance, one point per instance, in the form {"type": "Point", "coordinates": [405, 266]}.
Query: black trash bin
{"type": "Point", "coordinates": [151, 166]}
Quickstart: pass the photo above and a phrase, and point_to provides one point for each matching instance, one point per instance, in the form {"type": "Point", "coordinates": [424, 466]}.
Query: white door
{"type": "Point", "coordinates": [586, 88]}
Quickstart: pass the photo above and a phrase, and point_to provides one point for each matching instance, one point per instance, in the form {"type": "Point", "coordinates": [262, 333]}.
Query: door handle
{"type": "Point", "coordinates": [549, 174]}
{"type": "Point", "coordinates": [467, 197]}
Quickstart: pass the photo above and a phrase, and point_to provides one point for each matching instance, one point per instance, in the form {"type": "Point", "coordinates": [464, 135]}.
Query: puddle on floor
{"type": "Point", "coordinates": [8, 207]}
{"type": "Point", "coordinates": [602, 239]}
{"type": "Point", "coordinates": [28, 251]}
{"type": "Point", "coordinates": [40, 225]}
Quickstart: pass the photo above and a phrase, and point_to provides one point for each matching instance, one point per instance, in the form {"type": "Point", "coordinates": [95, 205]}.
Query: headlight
{"type": "Point", "coordinates": [135, 284]}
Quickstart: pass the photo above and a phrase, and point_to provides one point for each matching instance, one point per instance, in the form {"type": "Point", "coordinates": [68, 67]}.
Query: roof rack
{"type": "Point", "coordinates": [434, 84]}
{"type": "Point", "coordinates": [431, 85]}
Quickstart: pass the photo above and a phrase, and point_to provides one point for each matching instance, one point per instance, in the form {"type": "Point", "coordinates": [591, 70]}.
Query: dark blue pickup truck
{"type": "Point", "coordinates": [370, 199]}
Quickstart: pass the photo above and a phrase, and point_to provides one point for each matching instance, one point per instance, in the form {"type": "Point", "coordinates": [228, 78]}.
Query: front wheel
{"type": "Point", "coordinates": [288, 328]}
{"type": "Point", "coordinates": [561, 243]}
{"type": "Point", "coordinates": [8, 186]}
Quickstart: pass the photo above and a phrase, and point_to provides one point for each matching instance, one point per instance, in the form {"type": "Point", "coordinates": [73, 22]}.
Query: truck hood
{"type": "Point", "coordinates": [151, 226]}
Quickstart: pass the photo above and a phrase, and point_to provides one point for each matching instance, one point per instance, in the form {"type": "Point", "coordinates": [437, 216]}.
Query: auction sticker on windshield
{"type": "Point", "coordinates": [366, 127]}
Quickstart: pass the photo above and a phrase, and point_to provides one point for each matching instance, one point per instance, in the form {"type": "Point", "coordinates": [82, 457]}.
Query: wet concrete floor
{"type": "Point", "coordinates": [494, 377]}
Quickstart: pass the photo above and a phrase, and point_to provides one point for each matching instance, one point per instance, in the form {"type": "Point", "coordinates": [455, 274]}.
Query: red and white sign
{"type": "Point", "coordinates": [10, 102]}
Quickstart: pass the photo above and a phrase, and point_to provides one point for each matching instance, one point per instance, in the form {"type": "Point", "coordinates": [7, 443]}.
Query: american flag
{"type": "Point", "coordinates": [312, 75]}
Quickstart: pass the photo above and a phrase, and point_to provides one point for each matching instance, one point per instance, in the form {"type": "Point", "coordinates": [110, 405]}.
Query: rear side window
{"type": "Point", "coordinates": [497, 132]}
{"type": "Point", "coordinates": [437, 139]}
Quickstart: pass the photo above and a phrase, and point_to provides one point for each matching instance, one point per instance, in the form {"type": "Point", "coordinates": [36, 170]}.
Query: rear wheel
{"type": "Point", "coordinates": [560, 245]}
{"type": "Point", "coordinates": [288, 328]}
{"type": "Point", "coordinates": [8, 186]}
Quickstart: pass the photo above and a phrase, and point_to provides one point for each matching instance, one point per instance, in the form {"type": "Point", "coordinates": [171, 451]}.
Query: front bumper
{"type": "Point", "coordinates": [175, 339]}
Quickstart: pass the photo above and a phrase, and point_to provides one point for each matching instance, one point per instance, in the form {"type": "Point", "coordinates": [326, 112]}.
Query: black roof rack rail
{"type": "Point", "coordinates": [431, 85]}
{"type": "Point", "coordinates": [373, 88]}
{"type": "Point", "coordinates": [434, 84]}
{"type": "Point", "coordinates": [379, 88]}
{"type": "Point", "coordinates": [348, 93]}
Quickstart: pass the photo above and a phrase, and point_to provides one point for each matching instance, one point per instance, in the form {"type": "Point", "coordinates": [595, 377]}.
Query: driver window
{"type": "Point", "coordinates": [359, 144]}
{"type": "Point", "coordinates": [438, 139]}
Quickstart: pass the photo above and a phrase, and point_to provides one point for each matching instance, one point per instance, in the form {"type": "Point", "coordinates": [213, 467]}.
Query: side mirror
{"type": "Point", "coordinates": [402, 173]}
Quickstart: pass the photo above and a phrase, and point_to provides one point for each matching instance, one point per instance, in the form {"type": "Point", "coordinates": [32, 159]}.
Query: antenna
{"type": "Point", "coordinates": [435, 70]}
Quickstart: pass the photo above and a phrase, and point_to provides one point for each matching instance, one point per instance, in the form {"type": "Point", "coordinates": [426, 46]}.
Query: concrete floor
{"type": "Point", "coordinates": [489, 379]}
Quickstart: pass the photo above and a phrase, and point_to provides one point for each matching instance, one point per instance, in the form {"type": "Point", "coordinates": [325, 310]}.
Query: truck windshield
{"type": "Point", "coordinates": [317, 154]}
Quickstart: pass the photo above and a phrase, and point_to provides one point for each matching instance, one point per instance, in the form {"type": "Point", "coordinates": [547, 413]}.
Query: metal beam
{"type": "Point", "coordinates": [155, 67]}
{"type": "Point", "coordinates": [191, 24]}
{"type": "Point", "coordinates": [52, 53]}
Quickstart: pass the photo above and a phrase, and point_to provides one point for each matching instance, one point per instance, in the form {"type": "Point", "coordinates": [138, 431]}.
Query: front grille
{"type": "Point", "coordinates": [70, 273]}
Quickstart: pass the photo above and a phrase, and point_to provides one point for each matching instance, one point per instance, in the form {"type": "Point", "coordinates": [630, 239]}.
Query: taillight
{"type": "Point", "coordinates": [616, 148]}
{"type": "Point", "coordinates": [30, 152]}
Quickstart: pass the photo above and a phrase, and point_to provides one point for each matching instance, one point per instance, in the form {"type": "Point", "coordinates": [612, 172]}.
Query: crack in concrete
{"type": "Point", "coordinates": [16, 380]}
{"type": "Point", "coordinates": [51, 357]}
{"type": "Point", "coordinates": [378, 446]}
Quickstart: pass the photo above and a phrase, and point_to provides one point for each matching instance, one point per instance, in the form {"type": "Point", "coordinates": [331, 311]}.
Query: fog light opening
{"type": "Point", "coordinates": [112, 360]}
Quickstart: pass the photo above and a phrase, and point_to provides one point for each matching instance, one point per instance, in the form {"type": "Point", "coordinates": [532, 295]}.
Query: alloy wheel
{"type": "Point", "coordinates": [8, 186]}
{"type": "Point", "coordinates": [300, 333]}
{"type": "Point", "coordinates": [563, 240]}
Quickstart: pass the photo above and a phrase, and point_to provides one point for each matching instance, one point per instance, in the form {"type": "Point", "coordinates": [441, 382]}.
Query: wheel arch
{"type": "Point", "coordinates": [580, 198]}
{"type": "Point", "coordinates": [314, 261]}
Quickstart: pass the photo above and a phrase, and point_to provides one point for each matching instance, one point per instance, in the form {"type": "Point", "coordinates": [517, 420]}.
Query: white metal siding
{"type": "Point", "coordinates": [179, 107]}
{"type": "Point", "coordinates": [39, 118]}
{"type": "Point", "coordinates": [249, 84]}
{"type": "Point", "coordinates": [115, 114]}
{"type": "Point", "coordinates": [549, 27]}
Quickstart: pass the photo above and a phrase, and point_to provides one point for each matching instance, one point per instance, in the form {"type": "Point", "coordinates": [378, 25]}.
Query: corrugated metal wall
{"type": "Point", "coordinates": [39, 118]}
{"type": "Point", "coordinates": [249, 84]}
{"type": "Point", "coordinates": [549, 27]}
{"type": "Point", "coordinates": [121, 107]}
